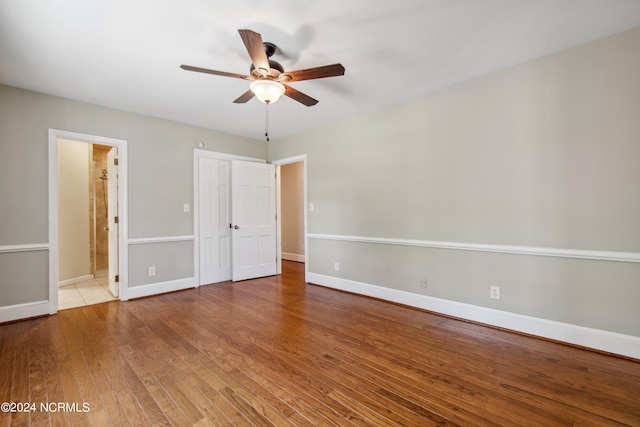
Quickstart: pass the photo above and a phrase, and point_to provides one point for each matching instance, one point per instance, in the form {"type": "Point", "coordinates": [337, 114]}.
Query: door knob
{"type": "Point", "coordinates": [236, 227]}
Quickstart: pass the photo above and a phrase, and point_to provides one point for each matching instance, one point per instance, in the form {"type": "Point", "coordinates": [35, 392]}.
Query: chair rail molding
{"type": "Point", "coordinates": [168, 239]}
{"type": "Point", "coordinates": [480, 247]}
{"type": "Point", "coordinates": [30, 247]}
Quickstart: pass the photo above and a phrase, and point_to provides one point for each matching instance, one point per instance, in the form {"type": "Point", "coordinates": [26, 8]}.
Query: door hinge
{"type": "Point", "coordinates": [115, 161]}
{"type": "Point", "coordinates": [117, 278]}
{"type": "Point", "coordinates": [115, 220]}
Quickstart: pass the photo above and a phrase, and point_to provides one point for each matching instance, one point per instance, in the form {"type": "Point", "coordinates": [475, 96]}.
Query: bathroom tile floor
{"type": "Point", "coordinates": [88, 292]}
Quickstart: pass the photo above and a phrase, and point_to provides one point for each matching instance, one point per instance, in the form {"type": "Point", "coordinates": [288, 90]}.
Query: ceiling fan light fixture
{"type": "Point", "coordinates": [267, 91]}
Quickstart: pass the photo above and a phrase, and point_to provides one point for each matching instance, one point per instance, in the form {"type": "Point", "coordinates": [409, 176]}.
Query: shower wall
{"type": "Point", "coordinates": [98, 209]}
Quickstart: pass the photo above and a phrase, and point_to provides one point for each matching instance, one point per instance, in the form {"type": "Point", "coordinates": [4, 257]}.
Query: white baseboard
{"type": "Point", "coordinates": [74, 280]}
{"type": "Point", "coordinates": [625, 345]}
{"type": "Point", "coordinates": [158, 288]}
{"type": "Point", "coordinates": [23, 311]}
{"type": "Point", "coordinates": [293, 257]}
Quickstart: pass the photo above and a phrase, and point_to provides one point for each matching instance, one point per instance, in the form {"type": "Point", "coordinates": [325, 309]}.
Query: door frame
{"type": "Point", "coordinates": [121, 144]}
{"type": "Point", "coordinates": [278, 163]}
{"type": "Point", "coordinates": [197, 154]}
{"type": "Point", "coordinates": [113, 266]}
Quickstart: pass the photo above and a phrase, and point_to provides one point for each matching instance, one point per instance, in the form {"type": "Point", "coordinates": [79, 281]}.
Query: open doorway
{"type": "Point", "coordinates": [292, 211]}
{"type": "Point", "coordinates": [291, 195]}
{"type": "Point", "coordinates": [84, 196]}
{"type": "Point", "coordinates": [85, 206]}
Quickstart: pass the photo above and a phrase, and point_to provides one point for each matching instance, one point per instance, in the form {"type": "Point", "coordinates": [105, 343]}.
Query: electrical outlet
{"type": "Point", "coordinates": [186, 207]}
{"type": "Point", "coordinates": [494, 292]}
{"type": "Point", "coordinates": [336, 266]}
{"type": "Point", "coordinates": [152, 271]}
{"type": "Point", "coordinates": [423, 281]}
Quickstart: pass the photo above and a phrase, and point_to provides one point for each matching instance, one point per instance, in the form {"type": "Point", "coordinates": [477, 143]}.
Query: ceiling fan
{"type": "Point", "coordinates": [268, 76]}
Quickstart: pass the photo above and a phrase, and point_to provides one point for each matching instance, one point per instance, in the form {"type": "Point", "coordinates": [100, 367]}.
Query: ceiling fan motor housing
{"type": "Point", "coordinates": [276, 70]}
{"type": "Point", "coordinates": [269, 49]}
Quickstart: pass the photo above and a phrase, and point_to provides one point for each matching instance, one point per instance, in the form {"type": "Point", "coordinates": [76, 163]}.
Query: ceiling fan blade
{"type": "Point", "coordinates": [245, 97]}
{"type": "Point", "coordinates": [299, 96]}
{"type": "Point", "coordinates": [255, 47]}
{"type": "Point", "coordinates": [215, 72]}
{"type": "Point", "coordinates": [313, 73]}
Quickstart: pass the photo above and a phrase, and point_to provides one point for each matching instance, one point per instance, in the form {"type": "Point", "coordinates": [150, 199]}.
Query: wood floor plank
{"type": "Point", "coordinates": [469, 388]}
{"type": "Point", "coordinates": [78, 343]}
{"type": "Point", "coordinates": [330, 341]}
{"type": "Point", "coordinates": [147, 402]}
{"type": "Point", "coordinates": [144, 368]}
{"type": "Point", "coordinates": [110, 403]}
{"type": "Point", "coordinates": [267, 360]}
{"type": "Point", "coordinates": [182, 383]}
{"type": "Point", "coordinates": [276, 351]}
{"type": "Point", "coordinates": [251, 391]}
{"type": "Point", "coordinates": [20, 387]}
{"type": "Point", "coordinates": [264, 397]}
{"type": "Point", "coordinates": [413, 359]}
{"type": "Point", "coordinates": [206, 393]}
{"type": "Point", "coordinates": [53, 367]}
{"type": "Point", "coordinates": [289, 354]}
{"type": "Point", "coordinates": [288, 390]}
{"type": "Point", "coordinates": [37, 380]}
{"type": "Point", "coordinates": [125, 398]}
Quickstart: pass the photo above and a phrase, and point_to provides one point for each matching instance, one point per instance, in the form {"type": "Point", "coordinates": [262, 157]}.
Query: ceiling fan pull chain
{"type": "Point", "coordinates": [266, 120]}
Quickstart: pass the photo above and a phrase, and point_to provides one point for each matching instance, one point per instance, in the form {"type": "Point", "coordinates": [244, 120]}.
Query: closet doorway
{"type": "Point", "coordinates": [221, 215]}
{"type": "Point", "coordinates": [292, 220]}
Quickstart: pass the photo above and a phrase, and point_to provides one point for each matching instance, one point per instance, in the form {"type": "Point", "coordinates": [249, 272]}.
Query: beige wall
{"type": "Point", "coordinates": [292, 190]}
{"type": "Point", "coordinates": [543, 154]}
{"type": "Point", "coordinates": [73, 210]}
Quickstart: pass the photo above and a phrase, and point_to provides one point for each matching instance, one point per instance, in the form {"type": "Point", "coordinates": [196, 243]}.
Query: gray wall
{"type": "Point", "coordinates": [544, 154]}
{"type": "Point", "coordinates": [160, 167]}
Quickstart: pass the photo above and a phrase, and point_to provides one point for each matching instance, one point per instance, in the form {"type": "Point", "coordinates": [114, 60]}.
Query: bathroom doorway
{"type": "Point", "coordinates": [83, 223]}
{"type": "Point", "coordinates": [87, 176]}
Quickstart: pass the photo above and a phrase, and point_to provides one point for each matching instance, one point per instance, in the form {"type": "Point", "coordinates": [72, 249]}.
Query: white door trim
{"type": "Point", "coordinates": [301, 158]}
{"type": "Point", "coordinates": [113, 227]}
{"type": "Point", "coordinates": [123, 255]}
{"type": "Point", "coordinates": [197, 154]}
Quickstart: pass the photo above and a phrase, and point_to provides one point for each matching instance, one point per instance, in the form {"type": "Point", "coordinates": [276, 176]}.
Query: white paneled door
{"type": "Point", "coordinates": [113, 223]}
{"type": "Point", "coordinates": [253, 207]}
{"type": "Point", "coordinates": [214, 195]}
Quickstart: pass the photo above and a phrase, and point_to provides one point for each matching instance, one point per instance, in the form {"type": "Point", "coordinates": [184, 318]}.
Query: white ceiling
{"type": "Point", "coordinates": [126, 54]}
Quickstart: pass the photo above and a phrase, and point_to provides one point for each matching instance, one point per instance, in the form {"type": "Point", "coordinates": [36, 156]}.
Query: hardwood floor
{"type": "Point", "coordinates": [275, 351]}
